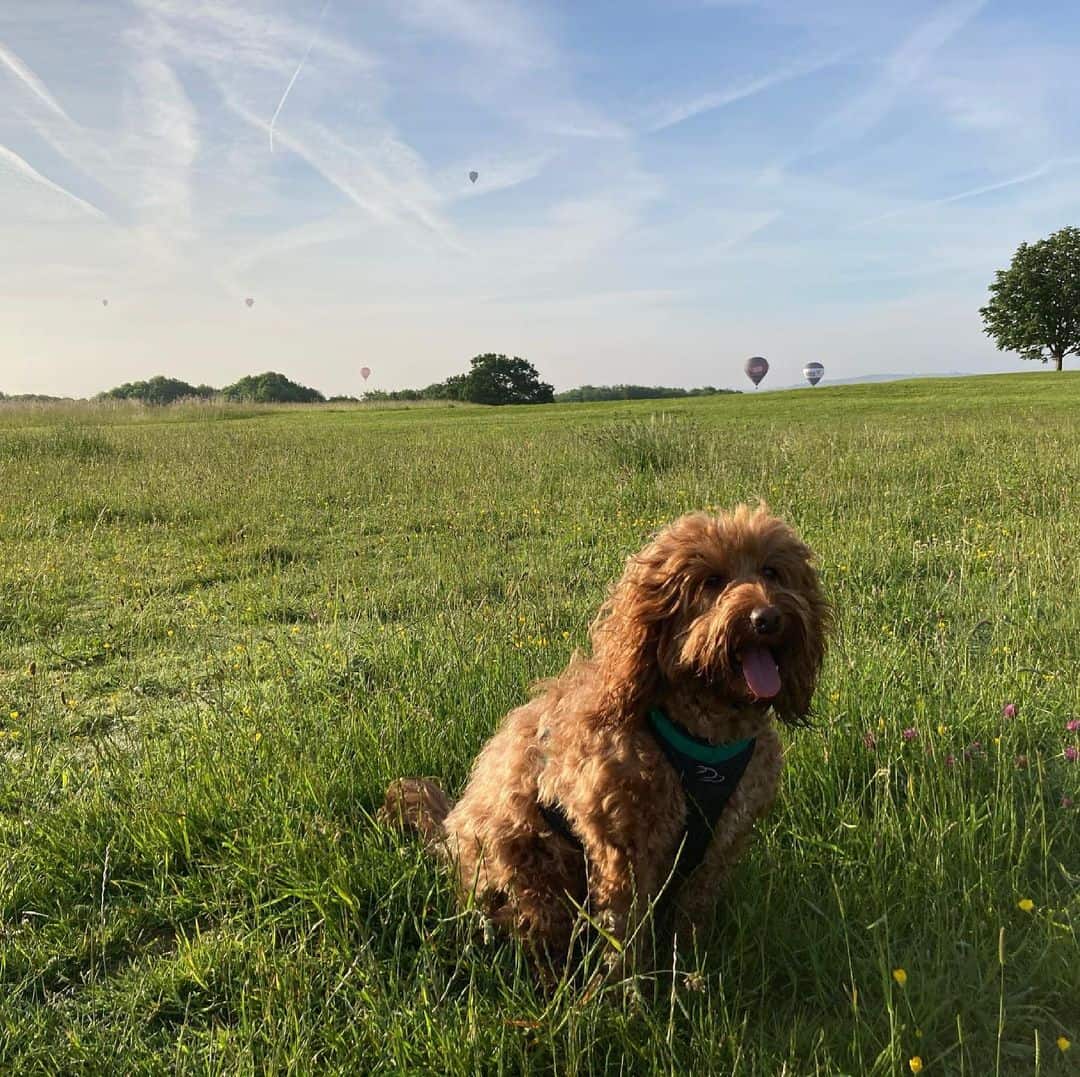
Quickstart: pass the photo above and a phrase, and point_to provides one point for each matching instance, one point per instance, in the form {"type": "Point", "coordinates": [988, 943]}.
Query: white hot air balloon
{"type": "Point", "coordinates": [813, 372]}
{"type": "Point", "coordinates": [474, 176]}
{"type": "Point", "coordinates": [365, 372]}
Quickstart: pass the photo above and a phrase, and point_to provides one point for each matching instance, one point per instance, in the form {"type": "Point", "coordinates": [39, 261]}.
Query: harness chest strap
{"type": "Point", "coordinates": [708, 773]}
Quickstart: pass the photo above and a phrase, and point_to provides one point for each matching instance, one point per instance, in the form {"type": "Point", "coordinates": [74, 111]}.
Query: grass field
{"type": "Point", "coordinates": [223, 631]}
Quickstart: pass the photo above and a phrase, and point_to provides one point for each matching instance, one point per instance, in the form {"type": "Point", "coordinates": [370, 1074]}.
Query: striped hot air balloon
{"type": "Point", "coordinates": [813, 372]}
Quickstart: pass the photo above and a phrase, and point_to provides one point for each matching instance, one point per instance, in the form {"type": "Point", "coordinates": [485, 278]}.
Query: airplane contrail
{"type": "Point", "coordinates": [1044, 169]}
{"type": "Point", "coordinates": [296, 73]}
{"type": "Point", "coordinates": [31, 81]}
{"type": "Point", "coordinates": [26, 169]}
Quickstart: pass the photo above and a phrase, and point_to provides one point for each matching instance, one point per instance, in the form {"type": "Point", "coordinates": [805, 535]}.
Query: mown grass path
{"type": "Point", "coordinates": [222, 632]}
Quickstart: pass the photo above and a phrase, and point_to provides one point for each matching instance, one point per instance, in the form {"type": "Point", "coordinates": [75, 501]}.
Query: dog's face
{"type": "Point", "coordinates": [732, 601]}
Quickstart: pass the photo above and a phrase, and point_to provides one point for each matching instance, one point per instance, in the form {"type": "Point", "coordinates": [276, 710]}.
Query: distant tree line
{"type": "Point", "coordinates": [32, 398]}
{"type": "Point", "coordinates": [268, 388]}
{"type": "Point", "coordinates": [589, 393]}
{"type": "Point", "coordinates": [159, 390]}
{"type": "Point", "coordinates": [491, 379]}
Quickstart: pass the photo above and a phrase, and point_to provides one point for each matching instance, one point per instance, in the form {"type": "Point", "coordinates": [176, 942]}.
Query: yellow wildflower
{"type": "Point", "coordinates": [915, 1064]}
{"type": "Point", "coordinates": [1063, 1043]}
{"type": "Point", "coordinates": [900, 976]}
{"type": "Point", "coordinates": [1025, 905]}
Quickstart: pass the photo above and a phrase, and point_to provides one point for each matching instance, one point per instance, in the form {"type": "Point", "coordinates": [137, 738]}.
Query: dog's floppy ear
{"type": "Point", "coordinates": [626, 633]}
{"type": "Point", "coordinates": [814, 626]}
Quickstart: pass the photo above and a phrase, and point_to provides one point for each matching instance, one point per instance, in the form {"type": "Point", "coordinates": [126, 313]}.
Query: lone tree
{"type": "Point", "coordinates": [498, 379]}
{"type": "Point", "coordinates": [1034, 306]}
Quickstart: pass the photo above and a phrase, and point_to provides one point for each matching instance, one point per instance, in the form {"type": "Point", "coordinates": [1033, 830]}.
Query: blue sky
{"type": "Point", "coordinates": [666, 186]}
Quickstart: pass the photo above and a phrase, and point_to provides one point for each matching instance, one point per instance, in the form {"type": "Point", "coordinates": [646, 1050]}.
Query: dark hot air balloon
{"type": "Point", "coordinates": [365, 372]}
{"type": "Point", "coordinates": [249, 301]}
{"type": "Point", "coordinates": [813, 372]}
{"type": "Point", "coordinates": [756, 368]}
{"type": "Point", "coordinates": [474, 176]}
{"type": "Point", "coordinates": [104, 302]}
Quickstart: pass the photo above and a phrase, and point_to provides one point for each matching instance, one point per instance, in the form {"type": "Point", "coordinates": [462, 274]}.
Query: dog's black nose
{"type": "Point", "coordinates": [765, 620]}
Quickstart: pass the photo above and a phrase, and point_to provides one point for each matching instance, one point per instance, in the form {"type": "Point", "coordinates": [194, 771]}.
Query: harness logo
{"type": "Point", "coordinates": [710, 775]}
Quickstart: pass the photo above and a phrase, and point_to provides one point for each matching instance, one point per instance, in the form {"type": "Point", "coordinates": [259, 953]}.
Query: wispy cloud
{"type": "Point", "coordinates": [672, 114]}
{"type": "Point", "coordinates": [974, 192]}
{"type": "Point", "coordinates": [507, 61]}
{"type": "Point", "coordinates": [499, 27]}
{"type": "Point", "coordinates": [904, 66]}
{"type": "Point", "coordinates": [900, 71]}
{"type": "Point", "coordinates": [27, 77]}
{"type": "Point", "coordinates": [166, 124]}
{"type": "Point", "coordinates": [240, 36]}
{"type": "Point", "coordinates": [23, 168]}
{"type": "Point", "coordinates": [383, 177]}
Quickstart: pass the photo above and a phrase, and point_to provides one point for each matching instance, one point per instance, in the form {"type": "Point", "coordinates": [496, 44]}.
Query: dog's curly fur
{"type": "Point", "coordinates": [669, 635]}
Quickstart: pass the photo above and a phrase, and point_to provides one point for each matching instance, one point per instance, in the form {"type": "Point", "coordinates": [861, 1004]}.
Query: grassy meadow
{"type": "Point", "coordinates": [224, 630]}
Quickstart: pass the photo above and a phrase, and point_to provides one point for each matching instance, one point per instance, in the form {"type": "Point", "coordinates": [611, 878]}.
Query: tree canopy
{"type": "Point", "coordinates": [1034, 306]}
{"type": "Point", "coordinates": [157, 390]}
{"type": "Point", "coordinates": [498, 379]}
{"type": "Point", "coordinates": [270, 388]}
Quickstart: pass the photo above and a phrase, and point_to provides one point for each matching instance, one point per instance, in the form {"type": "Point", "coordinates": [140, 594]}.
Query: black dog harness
{"type": "Point", "coordinates": [709, 774]}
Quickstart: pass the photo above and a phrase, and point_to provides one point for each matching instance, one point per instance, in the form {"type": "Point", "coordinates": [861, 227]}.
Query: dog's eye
{"type": "Point", "coordinates": [769, 573]}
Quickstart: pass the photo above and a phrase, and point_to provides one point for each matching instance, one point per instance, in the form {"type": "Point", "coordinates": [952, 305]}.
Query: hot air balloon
{"type": "Point", "coordinates": [365, 372]}
{"type": "Point", "coordinates": [756, 368]}
{"type": "Point", "coordinates": [474, 176]}
{"type": "Point", "coordinates": [249, 301]}
{"type": "Point", "coordinates": [813, 372]}
{"type": "Point", "coordinates": [104, 302]}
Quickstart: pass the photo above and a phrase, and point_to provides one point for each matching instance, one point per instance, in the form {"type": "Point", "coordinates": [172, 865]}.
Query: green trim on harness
{"type": "Point", "coordinates": [698, 750]}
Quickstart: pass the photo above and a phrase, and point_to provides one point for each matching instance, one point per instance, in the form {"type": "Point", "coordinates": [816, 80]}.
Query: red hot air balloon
{"type": "Point", "coordinates": [249, 301]}
{"type": "Point", "coordinates": [474, 176]}
{"type": "Point", "coordinates": [756, 368]}
{"type": "Point", "coordinates": [365, 372]}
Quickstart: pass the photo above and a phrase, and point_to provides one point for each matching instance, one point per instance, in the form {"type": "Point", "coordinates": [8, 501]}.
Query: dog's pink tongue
{"type": "Point", "coordinates": [759, 669]}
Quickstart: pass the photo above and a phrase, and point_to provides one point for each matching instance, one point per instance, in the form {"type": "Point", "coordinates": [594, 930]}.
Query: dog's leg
{"type": "Point", "coordinates": [695, 903]}
{"type": "Point", "coordinates": [620, 890]}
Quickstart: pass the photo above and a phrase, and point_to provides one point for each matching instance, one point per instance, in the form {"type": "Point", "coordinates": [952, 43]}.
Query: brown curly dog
{"type": "Point", "coordinates": [642, 768]}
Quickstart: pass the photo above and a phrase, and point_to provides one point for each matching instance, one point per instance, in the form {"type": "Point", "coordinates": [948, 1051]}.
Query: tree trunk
{"type": "Point", "coordinates": [1058, 359]}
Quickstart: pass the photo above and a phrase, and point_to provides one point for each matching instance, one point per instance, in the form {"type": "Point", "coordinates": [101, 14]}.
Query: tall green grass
{"type": "Point", "coordinates": [221, 638]}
